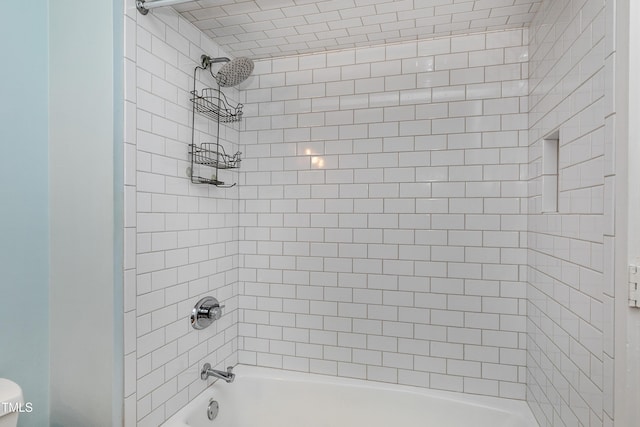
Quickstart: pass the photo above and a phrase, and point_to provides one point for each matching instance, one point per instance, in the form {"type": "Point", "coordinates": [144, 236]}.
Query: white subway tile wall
{"type": "Point", "coordinates": [181, 239]}
{"type": "Point", "coordinates": [387, 224]}
{"type": "Point", "coordinates": [570, 257]}
{"type": "Point", "coordinates": [383, 214]}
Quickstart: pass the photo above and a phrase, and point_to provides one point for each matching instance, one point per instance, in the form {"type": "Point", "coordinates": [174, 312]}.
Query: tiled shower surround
{"type": "Point", "coordinates": [382, 224]}
{"type": "Point", "coordinates": [387, 221]}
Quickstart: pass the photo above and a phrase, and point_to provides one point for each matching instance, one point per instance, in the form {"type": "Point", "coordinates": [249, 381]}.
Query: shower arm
{"type": "Point", "coordinates": [144, 6]}
{"type": "Point", "coordinates": [207, 60]}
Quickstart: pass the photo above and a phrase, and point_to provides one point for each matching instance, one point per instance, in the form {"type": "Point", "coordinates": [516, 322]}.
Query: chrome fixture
{"type": "Point", "coordinates": [207, 372]}
{"type": "Point", "coordinates": [212, 409]}
{"type": "Point", "coordinates": [232, 73]}
{"type": "Point", "coordinates": [144, 6]}
{"type": "Point", "coordinates": [207, 60]}
{"type": "Point", "coordinates": [206, 311]}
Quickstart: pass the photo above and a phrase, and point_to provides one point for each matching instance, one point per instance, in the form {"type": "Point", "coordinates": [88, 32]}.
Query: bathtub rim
{"type": "Point", "coordinates": [515, 407]}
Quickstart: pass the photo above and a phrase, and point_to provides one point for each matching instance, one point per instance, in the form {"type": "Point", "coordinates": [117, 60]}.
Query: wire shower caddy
{"type": "Point", "coordinates": [213, 104]}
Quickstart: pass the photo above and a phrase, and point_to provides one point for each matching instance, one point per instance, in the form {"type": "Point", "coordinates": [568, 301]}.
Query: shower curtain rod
{"type": "Point", "coordinates": [144, 6]}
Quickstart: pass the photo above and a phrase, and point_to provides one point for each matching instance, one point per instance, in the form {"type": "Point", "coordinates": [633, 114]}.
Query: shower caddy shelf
{"type": "Point", "coordinates": [214, 105]}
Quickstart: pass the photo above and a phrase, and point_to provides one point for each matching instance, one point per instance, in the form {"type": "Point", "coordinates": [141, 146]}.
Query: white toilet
{"type": "Point", "coordinates": [10, 399]}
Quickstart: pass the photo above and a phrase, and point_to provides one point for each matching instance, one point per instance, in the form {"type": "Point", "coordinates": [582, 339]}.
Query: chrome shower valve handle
{"type": "Point", "coordinates": [205, 312]}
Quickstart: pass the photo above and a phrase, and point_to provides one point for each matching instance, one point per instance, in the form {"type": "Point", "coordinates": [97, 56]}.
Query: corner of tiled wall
{"type": "Point", "coordinates": [130, 396]}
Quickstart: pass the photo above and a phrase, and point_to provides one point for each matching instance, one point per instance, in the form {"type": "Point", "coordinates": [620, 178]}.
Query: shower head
{"type": "Point", "coordinates": [234, 72]}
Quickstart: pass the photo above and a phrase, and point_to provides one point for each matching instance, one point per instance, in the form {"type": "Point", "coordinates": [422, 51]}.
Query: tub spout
{"type": "Point", "coordinates": [207, 372]}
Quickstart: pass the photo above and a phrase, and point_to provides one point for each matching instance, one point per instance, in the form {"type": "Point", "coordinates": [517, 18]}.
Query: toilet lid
{"type": "Point", "coordinates": [9, 392]}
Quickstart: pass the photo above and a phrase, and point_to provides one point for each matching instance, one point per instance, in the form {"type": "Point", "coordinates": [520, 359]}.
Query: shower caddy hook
{"type": "Point", "coordinates": [213, 104]}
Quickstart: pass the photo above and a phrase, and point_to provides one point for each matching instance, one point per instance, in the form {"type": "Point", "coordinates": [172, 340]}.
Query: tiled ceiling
{"type": "Point", "coordinates": [270, 28]}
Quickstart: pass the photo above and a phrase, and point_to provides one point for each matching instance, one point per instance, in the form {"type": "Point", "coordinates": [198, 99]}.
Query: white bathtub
{"type": "Point", "coordinates": [275, 398]}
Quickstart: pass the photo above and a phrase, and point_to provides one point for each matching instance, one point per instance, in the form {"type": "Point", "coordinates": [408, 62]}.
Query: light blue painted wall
{"type": "Point", "coordinates": [24, 230]}
{"type": "Point", "coordinates": [85, 45]}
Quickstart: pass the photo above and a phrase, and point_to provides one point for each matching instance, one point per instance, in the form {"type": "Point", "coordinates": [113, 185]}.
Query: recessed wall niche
{"type": "Point", "coordinates": [550, 149]}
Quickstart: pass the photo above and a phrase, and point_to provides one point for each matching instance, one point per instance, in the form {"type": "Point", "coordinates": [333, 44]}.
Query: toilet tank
{"type": "Point", "coordinates": [10, 401]}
